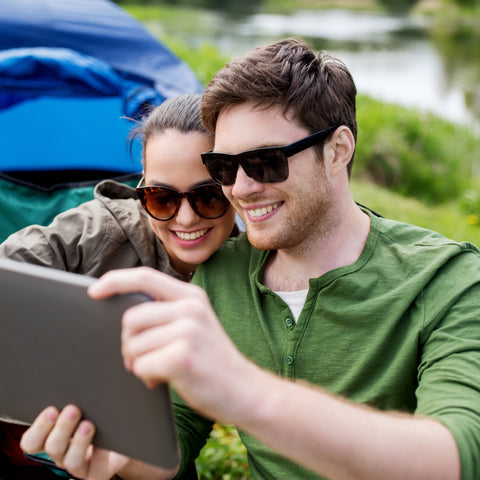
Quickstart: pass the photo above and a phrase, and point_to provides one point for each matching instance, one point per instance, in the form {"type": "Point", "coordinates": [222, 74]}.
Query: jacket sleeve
{"type": "Point", "coordinates": [72, 242]}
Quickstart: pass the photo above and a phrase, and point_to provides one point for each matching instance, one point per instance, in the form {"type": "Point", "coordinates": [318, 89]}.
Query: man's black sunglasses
{"type": "Point", "coordinates": [162, 203]}
{"type": "Point", "coordinates": [264, 165]}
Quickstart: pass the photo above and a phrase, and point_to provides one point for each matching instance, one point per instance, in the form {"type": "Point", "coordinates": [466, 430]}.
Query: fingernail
{"type": "Point", "coordinates": [51, 414]}
{"type": "Point", "coordinates": [72, 413]}
{"type": "Point", "coordinates": [86, 428]}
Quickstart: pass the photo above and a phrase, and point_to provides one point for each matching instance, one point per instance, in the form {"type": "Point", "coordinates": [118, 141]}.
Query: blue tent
{"type": "Point", "coordinates": [73, 75]}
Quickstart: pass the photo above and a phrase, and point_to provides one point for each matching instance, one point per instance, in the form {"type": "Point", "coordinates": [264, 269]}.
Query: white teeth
{"type": "Point", "coordinates": [258, 212]}
{"type": "Point", "coordinates": [191, 235]}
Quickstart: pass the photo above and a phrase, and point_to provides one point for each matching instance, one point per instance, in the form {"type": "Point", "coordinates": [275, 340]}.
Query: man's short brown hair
{"type": "Point", "coordinates": [317, 89]}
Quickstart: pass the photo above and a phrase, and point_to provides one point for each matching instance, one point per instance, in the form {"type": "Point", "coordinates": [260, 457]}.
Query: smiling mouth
{"type": "Point", "coordinates": [192, 235]}
{"type": "Point", "coordinates": [259, 212]}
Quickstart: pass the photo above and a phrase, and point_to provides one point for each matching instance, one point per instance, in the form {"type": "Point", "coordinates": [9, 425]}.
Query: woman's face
{"type": "Point", "coordinates": [172, 159]}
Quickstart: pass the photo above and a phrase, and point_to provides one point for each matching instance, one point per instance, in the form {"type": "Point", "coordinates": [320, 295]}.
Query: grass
{"type": "Point", "coordinates": [449, 219]}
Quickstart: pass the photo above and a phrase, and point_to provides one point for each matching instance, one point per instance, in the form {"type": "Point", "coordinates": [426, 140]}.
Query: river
{"type": "Point", "coordinates": [392, 58]}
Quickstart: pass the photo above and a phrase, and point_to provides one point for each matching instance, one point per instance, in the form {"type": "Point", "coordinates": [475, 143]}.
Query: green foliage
{"type": "Point", "coordinates": [466, 3]}
{"type": "Point", "coordinates": [223, 457]}
{"type": "Point", "coordinates": [398, 5]}
{"type": "Point", "coordinates": [205, 60]}
{"type": "Point", "coordinates": [447, 218]}
{"type": "Point", "coordinates": [414, 153]}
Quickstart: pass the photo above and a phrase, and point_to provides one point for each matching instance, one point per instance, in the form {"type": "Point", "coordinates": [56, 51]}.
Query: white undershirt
{"type": "Point", "coordinates": [294, 300]}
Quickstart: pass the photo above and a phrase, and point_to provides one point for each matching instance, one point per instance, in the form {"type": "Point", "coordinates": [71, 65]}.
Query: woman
{"type": "Point", "coordinates": [181, 219]}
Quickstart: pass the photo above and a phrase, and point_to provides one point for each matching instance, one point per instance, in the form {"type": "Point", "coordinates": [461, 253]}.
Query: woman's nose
{"type": "Point", "coordinates": [186, 216]}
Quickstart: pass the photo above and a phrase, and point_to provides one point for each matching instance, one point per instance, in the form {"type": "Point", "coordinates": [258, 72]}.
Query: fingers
{"type": "Point", "coordinates": [162, 365]}
{"type": "Point", "coordinates": [58, 440]}
{"type": "Point", "coordinates": [33, 440]}
{"type": "Point", "coordinates": [143, 319]}
{"type": "Point", "coordinates": [63, 436]}
{"type": "Point", "coordinates": [153, 283]}
{"type": "Point", "coordinates": [77, 455]}
{"type": "Point", "coordinates": [158, 325]}
{"type": "Point", "coordinates": [145, 316]}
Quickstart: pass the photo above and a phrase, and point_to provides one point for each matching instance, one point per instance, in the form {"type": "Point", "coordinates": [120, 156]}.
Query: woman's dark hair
{"type": "Point", "coordinates": [180, 113]}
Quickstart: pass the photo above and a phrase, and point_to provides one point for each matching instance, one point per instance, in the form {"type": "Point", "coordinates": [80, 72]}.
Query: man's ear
{"type": "Point", "coordinates": [339, 150]}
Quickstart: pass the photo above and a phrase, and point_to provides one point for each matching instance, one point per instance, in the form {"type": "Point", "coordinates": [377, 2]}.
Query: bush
{"type": "Point", "coordinates": [205, 60]}
{"type": "Point", "coordinates": [414, 153]}
{"type": "Point", "coordinates": [223, 457]}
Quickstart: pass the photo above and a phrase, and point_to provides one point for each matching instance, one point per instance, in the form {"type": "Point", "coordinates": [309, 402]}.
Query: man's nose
{"type": "Point", "coordinates": [245, 185]}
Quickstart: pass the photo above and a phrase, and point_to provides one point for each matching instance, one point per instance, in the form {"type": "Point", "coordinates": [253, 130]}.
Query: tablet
{"type": "Point", "coordinates": [58, 346]}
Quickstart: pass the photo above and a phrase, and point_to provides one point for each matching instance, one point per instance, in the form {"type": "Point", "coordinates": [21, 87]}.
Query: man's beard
{"type": "Point", "coordinates": [310, 219]}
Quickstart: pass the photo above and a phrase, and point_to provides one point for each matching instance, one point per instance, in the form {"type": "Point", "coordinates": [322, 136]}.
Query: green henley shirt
{"type": "Point", "coordinates": [399, 329]}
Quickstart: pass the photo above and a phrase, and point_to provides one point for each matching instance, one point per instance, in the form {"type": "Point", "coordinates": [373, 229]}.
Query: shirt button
{"type": "Point", "coordinates": [289, 322]}
{"type": "Point", "coordinates": [289, 360]}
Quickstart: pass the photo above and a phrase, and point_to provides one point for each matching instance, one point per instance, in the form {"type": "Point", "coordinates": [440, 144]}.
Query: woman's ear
{"type": "Point", "coordinates": [339, 150]}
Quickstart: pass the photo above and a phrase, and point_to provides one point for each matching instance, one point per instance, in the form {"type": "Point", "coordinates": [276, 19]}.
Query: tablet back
{"type": "Point", "coordinates": [58, 346]}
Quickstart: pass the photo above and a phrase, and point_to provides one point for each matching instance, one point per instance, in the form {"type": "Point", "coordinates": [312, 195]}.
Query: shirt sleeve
{"type": "Point", "coordinates": [449, 367]}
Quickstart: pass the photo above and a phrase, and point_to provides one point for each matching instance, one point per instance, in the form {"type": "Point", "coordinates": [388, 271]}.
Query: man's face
{"type": "Point", "coordinates": [286, 215]}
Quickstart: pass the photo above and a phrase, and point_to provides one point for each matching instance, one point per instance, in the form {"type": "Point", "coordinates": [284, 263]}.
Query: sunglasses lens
{"type": "Point", "coordinates": [222, 168]}
{"type": "Point", "coordinates": [209, 201]}
{"type": "Point", "coordinates": [158, 202]}
{"type": "Point", "coordinates": [267, 166]}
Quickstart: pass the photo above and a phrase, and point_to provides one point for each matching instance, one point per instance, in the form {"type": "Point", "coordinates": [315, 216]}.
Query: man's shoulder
{"type": "Point", "coordinates": [415, 236]}
{"type": "Point", "coordinates": [411, 248]}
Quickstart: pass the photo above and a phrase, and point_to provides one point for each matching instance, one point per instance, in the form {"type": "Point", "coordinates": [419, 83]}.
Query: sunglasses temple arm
{"type": "Point", "coordinates": [308, 142]}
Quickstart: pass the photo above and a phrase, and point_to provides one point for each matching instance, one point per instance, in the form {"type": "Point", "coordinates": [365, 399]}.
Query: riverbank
{"type": "Point", "coordinates": [288, 5]}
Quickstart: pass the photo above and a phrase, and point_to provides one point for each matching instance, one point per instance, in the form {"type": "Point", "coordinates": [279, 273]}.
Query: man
{"type": "Point", "coordinates": [341, 344]}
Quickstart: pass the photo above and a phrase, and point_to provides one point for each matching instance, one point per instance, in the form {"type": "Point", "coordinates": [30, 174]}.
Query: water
{"type": "Point", "coordinates": [390, 57]}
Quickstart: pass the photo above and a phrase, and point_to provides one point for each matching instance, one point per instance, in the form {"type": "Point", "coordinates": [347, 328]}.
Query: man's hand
{"type": "Point", "coordinates": [178, 339]}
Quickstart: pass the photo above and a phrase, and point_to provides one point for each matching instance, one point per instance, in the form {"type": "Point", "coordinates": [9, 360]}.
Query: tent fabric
{"type": "Point", "coordinates": [79, 69]}
{"type": "Point", "coordinates": [22, 204]}
{"type": "Point", "coordinates": [27, 73]}
{"type": "Point", "coordinates": [74, 76]}
{"type": "Point", "coordinates": [78, 99]}
{"type": "Point", "coordinates": [61, 72]}
{"type": "Point", "coordinates": [100, 29]}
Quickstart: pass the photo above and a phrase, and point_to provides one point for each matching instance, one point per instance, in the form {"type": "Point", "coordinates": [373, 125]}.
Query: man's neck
{"type": "Point", "coordinates": [289, 270]}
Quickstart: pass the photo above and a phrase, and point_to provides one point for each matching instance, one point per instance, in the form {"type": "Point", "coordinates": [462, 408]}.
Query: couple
{"type": "Point", "coordinates": [340, 344]}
